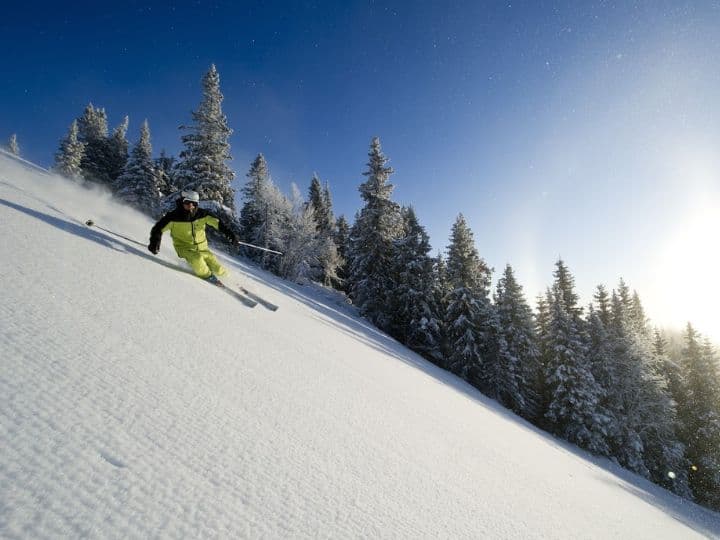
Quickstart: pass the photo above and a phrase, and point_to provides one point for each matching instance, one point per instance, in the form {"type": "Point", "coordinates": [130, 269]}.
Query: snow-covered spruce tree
{"type": "Point", "coordinates": [328, 259]}
{"type": "Point", "coordinates": [664, 452]}
{"type": "Point", "coordinates": [474, 272]}
{"type": "Point", "coordinates": [93, 133]}
{"type": "Point", "coordinates": [638, 319]}
{"type": "Point", "coordinates": [624, 390]}
{"type": "Point", "coordinates": [341, 236]}
{"type": "Point", "coordinates": [519, 360]}
{"type": "Point", "coordinates": [542, 331]}
{"type": "Point", "coordinates": [118, 152]}
{"type": "Point", "coordinates": [321, 201]}
{"type": "Point", "coordinates": [165, 166]}
{"type": "Point", "coordinates": [371, 240]}
{"type": "Point", "coordinates": [566, 282]}
{"type": "Point", "coordinates": [69, 156]}
{"type": "Point", "coordinates": [12, 145]}
{"type": "Point", "coordinates": [279, 217]}
{"type": "Point", "coordinates": [328, 221]}
{"type": "Point", "coordinates": [254, 215]}
{"type": "Point", "coordinates": [700, 416]}
{"type": "Point", "coordinates": [674, 369]}
{"type": "Point", "coordinates": [330, 262]}
{"type": "Point", "coordinates": [599, 345]}
{"type": "Point", "coordinates": [574, 411]}
{"type": "Point", "coordinates": [300, 245]}
{"type": "Point", "coordinates": [441, 291]}
{"type": "Point", "coordinates": [466, 306]}
{"type": "Point", "coordinates": [202, 164]}
{"type": "Point", "coordinates": [644, 439]}
{"type": "Point", "coordinates": [139, 184]}
{"type": "Point", "coordinates": [602, 299]}
{"type": "Point", "coordinates": [415, 315]}
{"type": "Point", "coordinates": [264, 216]}
{"type": "Point", "coordinates": [601, 361]}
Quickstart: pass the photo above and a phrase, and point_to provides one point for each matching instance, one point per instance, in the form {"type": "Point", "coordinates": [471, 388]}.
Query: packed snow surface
{"type": "Point", "coordinates": [137, 401]}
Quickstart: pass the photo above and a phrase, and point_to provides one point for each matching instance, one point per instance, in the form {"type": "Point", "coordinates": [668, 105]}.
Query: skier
{"type": "Point", "coordinates": [187, 228]}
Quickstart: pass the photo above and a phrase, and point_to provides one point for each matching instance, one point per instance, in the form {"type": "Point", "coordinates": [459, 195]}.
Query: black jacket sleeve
{"type": "Point", "coordinates": [156, 233]}
{"type": "Point", "coordinates": [226, 231]}
{"type": "Point", "coordinates": [223, 228]}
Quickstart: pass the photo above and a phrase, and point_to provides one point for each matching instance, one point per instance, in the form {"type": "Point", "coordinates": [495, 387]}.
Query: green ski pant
{"type": "Point", "coordinates": [203, 263]}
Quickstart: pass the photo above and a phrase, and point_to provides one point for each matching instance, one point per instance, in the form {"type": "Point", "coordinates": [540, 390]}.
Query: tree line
{"type": "Point", "coordinates": [598, 376]}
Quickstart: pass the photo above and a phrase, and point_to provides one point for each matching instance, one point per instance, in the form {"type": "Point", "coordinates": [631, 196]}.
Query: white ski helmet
{"type": "Point", "coordinates": [191, 196]}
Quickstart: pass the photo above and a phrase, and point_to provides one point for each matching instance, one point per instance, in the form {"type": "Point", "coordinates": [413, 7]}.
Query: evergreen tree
{"type": "Point", "coordinates": [624, 389]}
{"type": "Point", "coordinates": [574, 395]}
{"type": "Point", "coordinates": [300, 242]}
{"type": "Point", "coordinates": [643, 438]}
{"type": "Point", "coordinates": [328, 221]}
{"type": "Point", "coordinates": [465, 268]}
{"type": "Point", "coordinates": [519, 359]}
{"type": "Point", "coordinates": [664, 453]}
{"type": "Point", "coordinates": [342, 236]}
{"type": "Point", "coordinates": [371, 240]}
{"type": "Point", "coordinates": [462, 318]}
{"type": "Point", "coordinates": [566, 282]}
{"type": "Point", "coordinates": [603, 304]}
{"type": "Point", "coordinates": [165, 165]}
{"type": "Point", "coordinates": [600, 356]}
{"type": "Point", "coordinates": [93, 133]}
{"type": "Point", "coordinates": [342, 242]}
{"type": "Point", "coordinates": [415, 317]}
{"type": "Point", "coordinates": [467, 306]}
{"type": "Point", "coordinates": [319, 198]}
{"type": "Point", "coordinates": [68, 158]}
{"type": "Point", "coordinates": [330, 262]}
{"type": "Point", "coordinates": [700, 414]}
{"type": "Point", "coordinates": [328, 259]}
{"type": "Point", "coordinates": [254, 215]}
{"type": "Point", "coordinates": [673, 368]}
{"type": "Point", "coordinates": [542, 331]}
{"type": "Point", "coordinates": [202, 164]}
{"type": "Point", "coordinates": [265, 215]}
{"type": "Point", "coordinates": [12, 145]}
{"type": "Point", "coordinates": [139, 183]}
{"type": "Point", "coordinates": [638, 319]}
{"type": "Point", "coordinates": [441, 291]}
{"type": "Point", "coordinates": [117, 152]}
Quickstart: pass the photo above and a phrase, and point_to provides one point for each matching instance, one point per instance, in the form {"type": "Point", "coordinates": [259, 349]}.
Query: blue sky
{"type": "Point", "coordinates": [587, 130]}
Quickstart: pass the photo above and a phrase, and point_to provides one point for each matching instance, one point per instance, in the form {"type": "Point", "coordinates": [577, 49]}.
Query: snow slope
{"type": "Point", "coordinates": [138, 402]}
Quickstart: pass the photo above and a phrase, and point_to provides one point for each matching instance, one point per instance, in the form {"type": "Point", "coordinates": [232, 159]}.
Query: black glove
{"type": "Point", "coordinates": [154, 249]}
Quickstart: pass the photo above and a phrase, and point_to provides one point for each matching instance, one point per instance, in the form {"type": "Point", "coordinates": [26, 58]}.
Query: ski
{"type": "Point", "coordinates": [249, 302]}
{"type": "Point", "coordinates": [259, 299]}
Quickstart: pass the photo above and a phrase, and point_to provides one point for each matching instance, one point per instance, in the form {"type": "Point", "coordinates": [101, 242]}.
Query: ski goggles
{"type": "Point", "coordinates": [188, 201]}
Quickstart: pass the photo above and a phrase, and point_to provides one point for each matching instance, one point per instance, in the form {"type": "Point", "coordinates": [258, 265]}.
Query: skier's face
{"type": "Point", "coordinates": [190, 207]}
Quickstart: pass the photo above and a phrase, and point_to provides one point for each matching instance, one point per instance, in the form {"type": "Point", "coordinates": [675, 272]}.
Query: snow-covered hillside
{"type": "Point", "coordinates": [137, 401]}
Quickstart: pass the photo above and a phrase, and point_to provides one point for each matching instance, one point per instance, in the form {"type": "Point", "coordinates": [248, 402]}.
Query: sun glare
{"type": "Point", "coordinates": [687, 276]}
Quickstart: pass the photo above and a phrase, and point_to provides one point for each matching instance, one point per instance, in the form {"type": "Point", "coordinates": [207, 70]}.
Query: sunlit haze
{"type": "Point", "coordinates": [587, 131]}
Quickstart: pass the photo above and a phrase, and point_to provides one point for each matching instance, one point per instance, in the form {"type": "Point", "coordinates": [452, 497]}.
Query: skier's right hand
{"type": "Point", "coordinates": [152, 248]}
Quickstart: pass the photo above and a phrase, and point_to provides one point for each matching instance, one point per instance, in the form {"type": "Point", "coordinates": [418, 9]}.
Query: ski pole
{"type": "Point", "coordinates": [258, 247]}
{"type": "Point", "coordinates": [91, 223]}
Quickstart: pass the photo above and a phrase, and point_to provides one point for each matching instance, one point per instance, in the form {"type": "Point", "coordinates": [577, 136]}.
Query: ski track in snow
{"type": "Point", "coordinates": [138, 402]}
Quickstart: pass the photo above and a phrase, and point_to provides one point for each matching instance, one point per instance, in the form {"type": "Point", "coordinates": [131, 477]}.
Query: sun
{"type": "Point", "coordinates": [686, 285]}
